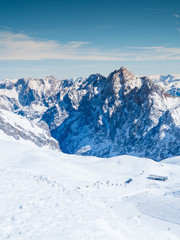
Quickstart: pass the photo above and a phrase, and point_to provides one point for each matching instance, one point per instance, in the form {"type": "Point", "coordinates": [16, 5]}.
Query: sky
{"type": "Point", "coordinates": [74, 38]}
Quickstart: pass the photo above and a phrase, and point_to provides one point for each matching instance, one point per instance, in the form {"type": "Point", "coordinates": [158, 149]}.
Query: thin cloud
{"type": "Point", "coordinates": [176, 15]}
{"type": "Point", "coordinates": [19, 46]}
{"type": "Point", "coordinates": [178, 29]}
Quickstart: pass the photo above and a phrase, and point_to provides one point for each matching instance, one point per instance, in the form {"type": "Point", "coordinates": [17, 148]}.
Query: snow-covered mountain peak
{"type": "Point", "coordinates": [124, 72]}
{"type": "Point", "coordinates": [101, 116]}
{"type": "Point", "coordinates": [127, 75]}
{"type": "Point", "coordinates": [123, 81]}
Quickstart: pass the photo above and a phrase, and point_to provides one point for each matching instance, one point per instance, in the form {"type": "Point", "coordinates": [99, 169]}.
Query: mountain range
{"type": "Point", "coordinates": [100, 116]}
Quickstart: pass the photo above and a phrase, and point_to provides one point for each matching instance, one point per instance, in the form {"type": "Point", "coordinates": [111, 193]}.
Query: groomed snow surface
{"type": "Point", "coordinates": [48, 195]}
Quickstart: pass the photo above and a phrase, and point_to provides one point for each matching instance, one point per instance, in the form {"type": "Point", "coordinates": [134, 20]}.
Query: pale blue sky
{"type": "Point", "coordinates": [76, 38]}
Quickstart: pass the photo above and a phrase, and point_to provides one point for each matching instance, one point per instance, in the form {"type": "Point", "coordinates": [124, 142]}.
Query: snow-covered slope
{"type": "Point", "coordinates": [171, 83]}
{"type": "Point", "coordinates": [22, 129]}
{"type": "Point", "coordinates": [105, 117]}
{"type": "Point", "coordinates": [50, 195]}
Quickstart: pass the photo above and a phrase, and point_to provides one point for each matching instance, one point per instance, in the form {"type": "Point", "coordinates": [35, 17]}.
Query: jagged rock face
{"type": "Point", "coordinates": [124, 116]}
{"type": "Point", "coordinates": [120, 114]}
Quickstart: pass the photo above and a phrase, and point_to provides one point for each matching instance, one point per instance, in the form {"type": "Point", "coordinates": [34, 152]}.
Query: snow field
{"type": "Point", "coordinates": [50, 195]}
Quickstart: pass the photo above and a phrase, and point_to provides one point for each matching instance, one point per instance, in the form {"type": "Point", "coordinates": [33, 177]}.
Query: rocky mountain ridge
{"type": "Point", "coordinates": [105, 117]}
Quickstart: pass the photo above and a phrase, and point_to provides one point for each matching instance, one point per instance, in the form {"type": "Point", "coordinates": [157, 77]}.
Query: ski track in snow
{"type": "Point", "coordinates": [47, 195]}
{"type": "Point", "coordinates": [52, 210]}
{"type": "Point", "coordinates": [37, 207]}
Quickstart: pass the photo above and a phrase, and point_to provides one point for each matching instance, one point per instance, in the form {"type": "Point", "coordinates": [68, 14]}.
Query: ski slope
{"type": "Point", "coordinates": [48, 195]}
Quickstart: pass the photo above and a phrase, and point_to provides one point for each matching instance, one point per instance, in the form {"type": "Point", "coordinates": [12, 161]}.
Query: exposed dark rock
{"type": "Point", "coordinates": [120, 114]}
